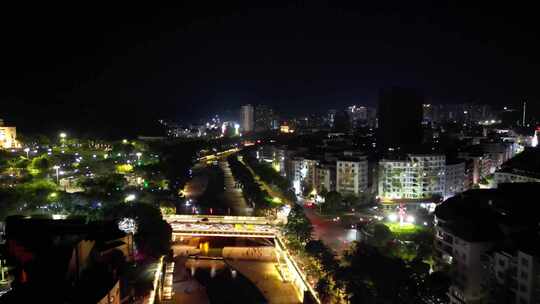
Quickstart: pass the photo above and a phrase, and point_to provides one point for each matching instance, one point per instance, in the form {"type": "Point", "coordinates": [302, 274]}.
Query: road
{"type": "Point", "coordinates": [334, 234]}
{"type": "Point", "coordinates": [231, 201]}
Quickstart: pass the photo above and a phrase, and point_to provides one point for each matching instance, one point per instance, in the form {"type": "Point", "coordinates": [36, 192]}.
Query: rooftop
{"type": "Point", "coordinates": [483, 214]}
{"type": "Point", "coordinates": [351, 158]}
{"type": "Point", "coordinates": [526, 163]}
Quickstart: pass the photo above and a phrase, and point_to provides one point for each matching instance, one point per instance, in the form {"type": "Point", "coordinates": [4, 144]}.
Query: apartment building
{"type": "Point", "coordinates": [414, 176]}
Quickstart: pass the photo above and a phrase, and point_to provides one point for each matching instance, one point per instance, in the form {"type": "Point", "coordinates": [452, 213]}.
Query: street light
{"type": "Point", "coordinates": [57, 178]}
{"type": "Point", "coordinates": [139, 154]}
{"type": "Point", "coordinates": [130, 198]}
{"type": "Point", "coordinates": [393, 217]}
{"type": "Point", "coordinates": [27, 150]}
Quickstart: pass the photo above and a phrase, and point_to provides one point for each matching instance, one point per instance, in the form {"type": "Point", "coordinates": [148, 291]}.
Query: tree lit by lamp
{"type": "Point", "coordinates": [128, 225]}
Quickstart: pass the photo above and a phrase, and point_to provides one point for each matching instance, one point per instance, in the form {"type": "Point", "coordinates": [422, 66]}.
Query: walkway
{"type": "Point", "coordinates": [185, 288]}
{"type": "Point", "coordinates": [267, 279]}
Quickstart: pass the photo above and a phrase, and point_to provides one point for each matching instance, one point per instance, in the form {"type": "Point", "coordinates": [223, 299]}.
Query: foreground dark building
{"type": "Point", "coordinates": [487, 240]}
{"type": "Point", "coordinates": [65, 261]}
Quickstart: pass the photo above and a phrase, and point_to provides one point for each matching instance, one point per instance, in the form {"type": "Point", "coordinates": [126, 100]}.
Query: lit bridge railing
{"type": "Point", "coordinates": [217, 219]}
{"type": "Point", "coordinates": [239, 230]}
{"type": "Point", "coordinates": [215, 225]}
{"type": "Point", "coordinates": [250, 234]}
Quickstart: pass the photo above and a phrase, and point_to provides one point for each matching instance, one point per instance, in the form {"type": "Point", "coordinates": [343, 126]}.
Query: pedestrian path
{"type": "Point", "coordinates": [185, 289]}
{"type": "Point", "coordinates": [268, 280]}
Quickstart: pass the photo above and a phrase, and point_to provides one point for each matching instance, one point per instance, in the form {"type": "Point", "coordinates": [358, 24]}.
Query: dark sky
{"type": "Point", "coordinates": [115, 68]}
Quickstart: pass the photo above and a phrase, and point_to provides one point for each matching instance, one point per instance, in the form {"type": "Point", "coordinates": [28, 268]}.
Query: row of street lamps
{"type": "Point", "coordinates": [63, 136]}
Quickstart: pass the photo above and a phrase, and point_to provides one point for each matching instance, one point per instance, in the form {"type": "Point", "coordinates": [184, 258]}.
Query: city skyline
{"type": "Point", "coordinates": [167, 63]}
{"type": "Point", "coordinates": [302, 152]}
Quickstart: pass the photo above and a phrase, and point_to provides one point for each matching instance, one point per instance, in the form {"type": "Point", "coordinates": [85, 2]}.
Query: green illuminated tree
{"type": "Point", "coordinates": [298, 225]}
{"type": "Point", "coordinates": [40, 163]}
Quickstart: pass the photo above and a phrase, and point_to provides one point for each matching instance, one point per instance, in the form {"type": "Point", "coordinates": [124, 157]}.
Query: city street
{"type": "Point", "coordinates": [334, 234]}
{"type": "Point", "coordinates": [230, 201]}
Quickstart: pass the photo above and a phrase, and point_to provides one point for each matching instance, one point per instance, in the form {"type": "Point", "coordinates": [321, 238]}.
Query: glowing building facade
{"type": "Point", "coordinates": [8, 137]}
{"type": "Point", "coordinates": [247, 119]}
{"type": "Point", "coordinates": [351, 175]}
{"type": "Point", "coordinates": [417, 176]}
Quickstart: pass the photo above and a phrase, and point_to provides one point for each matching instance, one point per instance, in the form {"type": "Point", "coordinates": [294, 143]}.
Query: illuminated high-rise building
{"type": "Point", "coordinates": [247, 120]}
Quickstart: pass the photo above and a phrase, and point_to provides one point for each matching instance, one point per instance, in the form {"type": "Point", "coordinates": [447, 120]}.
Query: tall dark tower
{"type": "Point", "coordinates": [400, 120]}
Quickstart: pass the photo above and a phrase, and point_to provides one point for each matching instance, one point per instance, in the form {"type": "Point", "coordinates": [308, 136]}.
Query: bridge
{"type": "Point", "coordinates": [249, 227]}
{"type": "Point", "coordinates": [221, 226]}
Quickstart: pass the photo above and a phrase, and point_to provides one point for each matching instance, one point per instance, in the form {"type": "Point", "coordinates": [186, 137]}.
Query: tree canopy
{"type": "Point", "coordinates": [298, 225]}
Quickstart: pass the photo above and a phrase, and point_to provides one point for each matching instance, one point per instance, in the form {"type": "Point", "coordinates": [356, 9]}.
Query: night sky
{"type": "Point", "coordinates": [116, 68]}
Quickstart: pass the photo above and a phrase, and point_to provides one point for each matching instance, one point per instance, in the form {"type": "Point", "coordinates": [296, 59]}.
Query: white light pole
{"type": "Point", "coordinates": [139, 154]}
{"type": "Point", "coordinates": [63, 136]}
{"type": "Point", "coordinates": [57, 177]}
{"type": "Point", "coordinates": [27, 150]}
